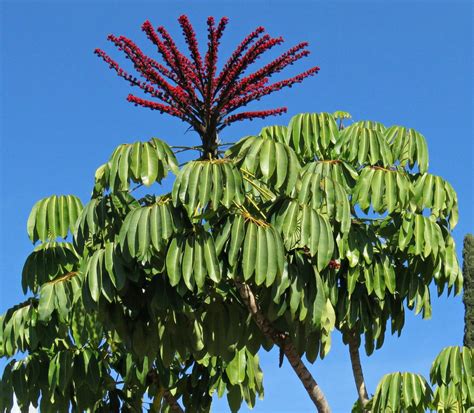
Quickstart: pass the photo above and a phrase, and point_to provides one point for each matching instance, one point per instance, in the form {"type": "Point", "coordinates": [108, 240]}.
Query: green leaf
{"type": "Point", "coordinates": [135, 160]}
{"type": "Point", "coordinates": [123, 168]}
{"type": "Point", "coordinates": [149, 164]}
{"type": "Point", "coordinates": [132, 238]}
{"type": "Point", "coordinates": [234, 398]}
{"type": "Point", "coordinates": [46, 302]}
{"type": "Point", "coordinates": [173, 262]}
{"type": "Point", "coordinates": [211, 260]}
{"type": "Point", "coordinates": [273, 252]}
{"type": "Point", "coordinates": [394, 392]}
{"type": "Point", "coordinates": [250, 250]}
{"type": "Point", "coordinates": [217, 185]}
{"type": "Point", "coordinates": [325, 244]}
{"type": "Point", "coordinates": [362, 189]}
{"type": "Point", "coordinates": [262, 253]}
{"type": "Point", "coordinates": [379, 280]}
{"type": "Point", "coordinates": [94, 275]}
{"type": "Point", "coordinates": [205, 182]}
{"type": "Point", "coordinates": [419, 234]}
{"type": "Point", "coordinates": [267, 158]}
{"type": "Point", "coordinates": [281, 160]}
{"type": "Point", "coordinates": [199, 271]}
{"type": "Point", "coordinates": [188, 258]}
{"type": "Point", "coordinates": [390, 191]}
{"type": "Point", "coordinates": [377, 191]}
{"type": "Point", "coordinates": [143, 232]}
{"type": "Point", "coordinates": [236, 237]}
{"type": "Point", "coordinates": [62, 302]}
{"type": "Point", "coordinates": [235, 370]}
{"type": "Point", "coordinates": [319, 305]}
{"type": "Point", "coordinates": [389, 275]}
{"type": "Point", "coordinates": [191, 200]}
{"type": "Point", "coordinates": [352, 277]}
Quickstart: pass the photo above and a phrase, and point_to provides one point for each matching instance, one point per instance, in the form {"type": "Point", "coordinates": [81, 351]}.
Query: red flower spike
{"type": "Point", "coordinates": [190, 87]}
{"type": "Point", "coordinates": [251, 115]}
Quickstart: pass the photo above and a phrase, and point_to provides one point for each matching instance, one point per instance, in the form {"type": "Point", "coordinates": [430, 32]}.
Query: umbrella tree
{"type": "Point", "coordinates": [278, 240]}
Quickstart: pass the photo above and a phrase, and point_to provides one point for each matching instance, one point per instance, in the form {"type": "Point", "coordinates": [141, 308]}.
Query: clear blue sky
{"type": "Point", "coordinates": [63, 112]}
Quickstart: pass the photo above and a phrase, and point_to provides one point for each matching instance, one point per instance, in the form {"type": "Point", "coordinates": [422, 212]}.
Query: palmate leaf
{"type": "Point", "coordinates": [104, 274]}
{"type": "Point", "coordinates": [53, 217]}
{"type": "Point", "coordinates": [383, 189]}
{"type": "Point", "coordinates": [433, 192]}
{"type": "Point", "coordinates": [101, 219]}
{"type": "Point", "coordinates": [277, 133]}
{"type": "Point", "coordinates": [252, 247]}
{"type": "Point", "coordinates": [359, 246]}
{"type": "Point", "coordinates": [149, 228]}
{"type": "Point", "coordinates": [452, 372]}
{"type": "Point", "coordinates": [369, 124]}
{"type": "Point", "coordinates": [337, 170]}
{"type": "Point", "coordinates": [15, 328]}
{"type": "Point", "coordinates": [408, 147]}
{"type": "Point", "coordinates": [310, 308]}
{"type": "Point", "coordinates": [261, 253]}
{"type": "Point", "coordinates": [424, 236]}
{"type": "Point", "coordinates": [311, 135]}
{"type": "Point", "coordinates": [59, 295]}
{"type": "Point", "coordinates": [325, 195]}
{"type": "Point", "coordinates": [269, 161]}
{"type": "Point", "coordinates": [53, 375]}
{"type": "Point", "coordinates": [141, 162]}
{"type": "Point", "coordinates": [47, 262]}
{"type": "Point", "coordinates": [192, 259]}
{"type": "Point", "coordinates": [303, 227]}
{"type": "Point", "coordinates": [362, 144]}
{"type": "Point", "coordinates": [402, 392]}
{"type": "Point", "coordinates": [208, 184]}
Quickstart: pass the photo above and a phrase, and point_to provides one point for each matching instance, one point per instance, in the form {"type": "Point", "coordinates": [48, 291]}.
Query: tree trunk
{"type": "Point", "coordinates": [284, 342]}
{"type": "Point", "coordinates": [172, 402]}
{"type": "Point", "coordinates": [357, 369]}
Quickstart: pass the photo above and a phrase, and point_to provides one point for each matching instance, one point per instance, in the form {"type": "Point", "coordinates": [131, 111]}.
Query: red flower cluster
{"type": "Point", "coordinates": [190, 88]}
{"type": "Point", "coordinates": [334, 265]}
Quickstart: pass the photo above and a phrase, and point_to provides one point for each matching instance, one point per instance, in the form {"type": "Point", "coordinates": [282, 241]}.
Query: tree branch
{"type": "Point", "coordinates": [283, 341]}
{"type": "Point", "coordinates": [357, 369]}
{"type": "Point", "coordinates": [172, 402]}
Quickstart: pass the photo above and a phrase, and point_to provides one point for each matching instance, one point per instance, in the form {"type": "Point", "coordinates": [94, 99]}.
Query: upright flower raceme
{"type": "Point", "coordinates": [190, 88]}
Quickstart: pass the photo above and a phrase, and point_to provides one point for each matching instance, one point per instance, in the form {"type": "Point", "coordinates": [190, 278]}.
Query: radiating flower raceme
{"type": "Point", "coordinates": [190, 87]}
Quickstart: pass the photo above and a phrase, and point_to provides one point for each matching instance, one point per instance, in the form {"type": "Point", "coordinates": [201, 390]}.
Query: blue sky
{"type": "Point", "coordinates": [63, 112]}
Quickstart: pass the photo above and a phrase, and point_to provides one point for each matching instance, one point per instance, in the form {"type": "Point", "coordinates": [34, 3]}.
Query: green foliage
{"type": "Point", "coordinates": [332, 228]}
{"type": "Point", "coordinates": [398, 392]}
{"type": "Point", "coordinates": [452, 373]}
{"type": "Point", "coordinates": [468, 295]}
{"type": "Point", "coordinates": [53, 217]}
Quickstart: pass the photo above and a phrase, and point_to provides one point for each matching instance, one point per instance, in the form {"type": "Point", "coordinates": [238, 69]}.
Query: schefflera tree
{"type": "Point", "coordinates": [138, 301]}
{"type": "Point", "coordinates": [284, 237]}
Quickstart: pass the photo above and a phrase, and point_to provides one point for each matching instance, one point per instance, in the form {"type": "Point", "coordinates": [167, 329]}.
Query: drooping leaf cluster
{"type": "Point", "coordinates": [333, 228]}
{"type": "Point", "coordinates": [452, 375]}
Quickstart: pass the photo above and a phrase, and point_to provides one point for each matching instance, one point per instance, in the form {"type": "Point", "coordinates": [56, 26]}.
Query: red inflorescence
{"type": "Point", "coordinates": [190, 87]}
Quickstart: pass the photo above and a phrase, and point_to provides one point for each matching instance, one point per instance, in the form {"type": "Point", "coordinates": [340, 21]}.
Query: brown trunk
{"type": "Point", "coordinates": [172, 402]}
{"type": "Point", "coordinates": [357, 369]}
{"type": "Point", "coordinates": [283, 341]}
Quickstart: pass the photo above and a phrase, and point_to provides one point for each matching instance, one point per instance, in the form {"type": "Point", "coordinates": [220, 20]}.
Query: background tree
{"type": "Point", "coordinates": [279, 240]}
{"type": "Point", "coordinates": [468, 295]}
